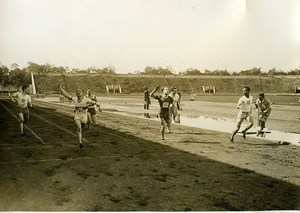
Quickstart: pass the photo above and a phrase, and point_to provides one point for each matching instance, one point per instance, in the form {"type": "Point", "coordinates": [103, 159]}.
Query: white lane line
{"type": "Point", "coordinates": [40, 139]}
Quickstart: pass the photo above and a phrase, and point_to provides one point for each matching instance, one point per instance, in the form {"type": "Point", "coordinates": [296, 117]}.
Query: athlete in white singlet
{"type": "Point", "coordinates": [81, 107]}
{"type": "Point", "coordinates": [22, 99]}
{"type": "Point", "coordinates": [245, 106]}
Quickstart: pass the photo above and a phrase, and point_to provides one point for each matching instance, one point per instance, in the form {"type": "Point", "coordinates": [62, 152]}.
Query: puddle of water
{"type": "Point", "coordinates": [227, 125]}
{"type": "Point", "coordinates": [223, 125]}
{"type": "Point", "coordinates": [212, 123]}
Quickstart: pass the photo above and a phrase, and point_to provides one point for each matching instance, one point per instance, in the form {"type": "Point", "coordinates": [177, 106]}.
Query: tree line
{"type": "Point", "coordinates": [19, 76]}
{"type": "Point", "coordinates": [192, 71]}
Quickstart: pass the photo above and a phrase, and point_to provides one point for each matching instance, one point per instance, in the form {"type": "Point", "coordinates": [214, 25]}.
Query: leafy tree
{"type": "Point", "coordinates": [220, 72]}
{"type": "Point", "coordinates": [294, 71]}
{"type": "Point", "coordinates": [157, 71]}
{"type": "Point", "coordinates": [19, 77]}
{"type": "Point", "coordinates": [4, 76]}
{"type": "Point", "coordinates": [276, 72]}
{"type": "Point", "coordinates": [191, 71]}
{"type": "Point", "coordinates": [253, 71]}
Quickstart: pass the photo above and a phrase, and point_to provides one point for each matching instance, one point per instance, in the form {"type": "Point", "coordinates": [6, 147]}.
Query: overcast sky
{"type": "Point", "coordinates": [133, 34]}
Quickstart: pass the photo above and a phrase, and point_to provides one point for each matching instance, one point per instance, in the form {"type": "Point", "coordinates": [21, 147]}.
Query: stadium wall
{"type": "Point", "coordinates": [186, 84]}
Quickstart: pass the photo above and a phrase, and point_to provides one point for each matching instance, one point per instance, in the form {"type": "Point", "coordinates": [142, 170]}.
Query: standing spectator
{"type": "Point", "coordinates": [147, 100]}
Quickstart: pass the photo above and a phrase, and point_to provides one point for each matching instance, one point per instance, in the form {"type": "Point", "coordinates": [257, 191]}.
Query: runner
{"type": "Point", "coordinates": [92, 109]}
{"type": "Point", "coordinates": [245, 107]}
{"type": "Point", "coordinates": [174, 109]}
{"type": "Point", "coordinates": [264, 110]}
{"type": "Point", "coordinates": [81, 107]}
{"type": "Point", "coordinates": [22, 99]}
{"type": "Point", "coordinates": [165, 103]}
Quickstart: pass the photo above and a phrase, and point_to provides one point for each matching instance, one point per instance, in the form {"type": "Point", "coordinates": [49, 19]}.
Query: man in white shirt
{"type": "Point", "coordinates": [22, 99]}
{"type": "Point", "coordinates": [245, 106]}
{"type": "Point", "coordinates": [81, 110]}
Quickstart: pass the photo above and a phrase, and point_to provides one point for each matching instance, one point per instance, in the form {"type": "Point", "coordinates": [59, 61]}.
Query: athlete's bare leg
{"type": "Point", "coordinates": [21, 120]}
{"type": "Point", "coordinates": [238, 126]}
{"type": "Point", "coordinates": [79, 132]}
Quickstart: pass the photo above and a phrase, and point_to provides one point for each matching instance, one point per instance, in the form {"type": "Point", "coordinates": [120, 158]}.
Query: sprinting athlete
{"type": "Point", "coordinates": [22, 99]}
{"type": "Point", "coordinates": [245, 106]}
{"type": "Point", "coordinates": [81, 107]}
{"type": "Point", "coordinates": [165, 103]}
{"type": "Point", "coordinates": [264, 110]}
{"type": "Point", "coordinates": [92, 109]}
{"type": "Point", "coordinates": [174, 108]}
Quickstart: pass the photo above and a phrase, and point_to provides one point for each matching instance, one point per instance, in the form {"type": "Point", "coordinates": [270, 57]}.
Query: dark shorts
{"type": "Point", "coordinates": [24, 111]}
{"type": "Point", "coordinates": [164, 117]}
{"type": "Point", "coordinates": [92, 111]}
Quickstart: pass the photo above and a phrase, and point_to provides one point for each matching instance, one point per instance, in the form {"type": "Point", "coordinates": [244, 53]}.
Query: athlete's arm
{"type": "Point", "coordinates": [12, 99]}
{"type": "Point", "coordinates": [239, 104]}
{"type": "Point", "coordinates": [268, 107]}
{"type": "Point", "coordinates": [67, 95]}
{"type": "Point", "coordinates": [30, 102]}
{"type": "Point", "coordinates": [94, 103]}
{"type": "Point", "coordinates": [153, 91]}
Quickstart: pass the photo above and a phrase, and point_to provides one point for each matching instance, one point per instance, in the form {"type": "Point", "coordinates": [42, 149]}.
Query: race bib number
{"type": "Point", "coordinates": [165, 105]}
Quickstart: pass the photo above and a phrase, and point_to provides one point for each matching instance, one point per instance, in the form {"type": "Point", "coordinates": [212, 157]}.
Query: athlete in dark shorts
{"type": "Point", "coordinates": [92, 109]}
{"type": "Point", "coordinates": [165, 103]}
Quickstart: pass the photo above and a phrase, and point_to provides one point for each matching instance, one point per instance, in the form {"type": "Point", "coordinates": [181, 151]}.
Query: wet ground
{"type": "Point", "coordinates": [124, 165]}
{"type": "Point", "coordinates": [283, 123]}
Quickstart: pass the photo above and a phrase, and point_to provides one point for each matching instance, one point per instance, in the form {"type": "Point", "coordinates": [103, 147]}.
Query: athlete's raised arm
{"type": "Point", "coordinates": [153, 91]}
{"type": "Point", "coordinates": [67, 95]}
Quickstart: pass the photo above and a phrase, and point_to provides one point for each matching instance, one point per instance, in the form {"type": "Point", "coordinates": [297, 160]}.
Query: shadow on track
{"type": "Point", "coordinates": [121, 172]}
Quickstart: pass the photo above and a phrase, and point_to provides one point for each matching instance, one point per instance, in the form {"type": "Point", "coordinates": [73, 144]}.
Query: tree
{"type": "Point", "coordinates": [157, 71]}
{"type": "Point", "coordinates": [220, 72]}
{"type": "Point", "coordinates": [191, 71]}
{"type": "Point", "coordinates": [20, 77]}
{"type": "Point", "coordinates": [253, 71]}
{"type": "Point", "coordinates": [294, 71]}
{"type": "Point", "coordinates": [4, 76]}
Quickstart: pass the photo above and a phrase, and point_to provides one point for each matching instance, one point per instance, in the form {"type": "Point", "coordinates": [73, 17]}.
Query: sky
{"type": "Point", "coordinates": [133, 34]}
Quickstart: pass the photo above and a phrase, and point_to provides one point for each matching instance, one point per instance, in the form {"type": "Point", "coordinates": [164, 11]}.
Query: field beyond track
{"type": "Point", "coordinates": [124, 166]}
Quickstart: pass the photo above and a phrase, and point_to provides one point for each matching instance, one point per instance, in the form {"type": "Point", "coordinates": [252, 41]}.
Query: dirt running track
{"type": "Point", "coordinates": [125, 167]}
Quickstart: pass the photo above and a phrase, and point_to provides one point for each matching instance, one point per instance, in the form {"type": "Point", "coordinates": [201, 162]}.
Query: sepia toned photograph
{"type": "Point", "coordinates": [150, 105]}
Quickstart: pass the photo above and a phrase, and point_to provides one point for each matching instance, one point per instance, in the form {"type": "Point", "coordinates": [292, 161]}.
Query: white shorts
{"type": "Point", "coordinates": [81, 116]}
{"type": "Point", "coordinates": [244, 116]}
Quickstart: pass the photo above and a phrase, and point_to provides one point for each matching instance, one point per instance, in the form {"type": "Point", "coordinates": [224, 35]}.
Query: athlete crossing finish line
{"type": "Point", "coordinates": [22, 99]}
{"type": "Point", "coordinates": [165, 103]}
{"type": "Point", "coordinates": [82, 104]}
